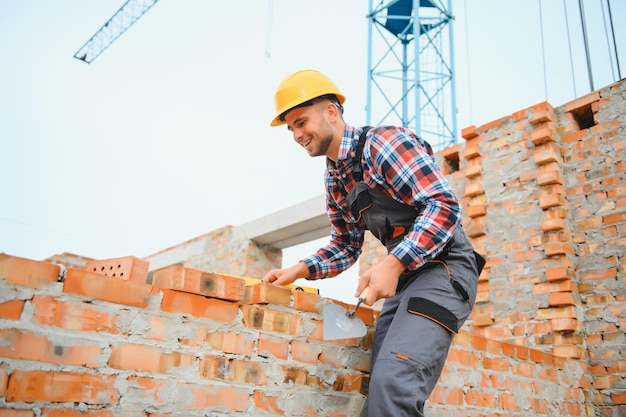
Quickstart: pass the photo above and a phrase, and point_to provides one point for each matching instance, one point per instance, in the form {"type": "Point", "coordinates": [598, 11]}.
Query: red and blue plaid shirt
{"type": "Point", "coordinates": [401, 165]}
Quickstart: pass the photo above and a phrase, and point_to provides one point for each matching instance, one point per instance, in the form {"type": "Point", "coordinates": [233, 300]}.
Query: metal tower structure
{"type": "Point", "coordinates": [113, 29]}
{"type": "Point", "coordinates": [411, 68]}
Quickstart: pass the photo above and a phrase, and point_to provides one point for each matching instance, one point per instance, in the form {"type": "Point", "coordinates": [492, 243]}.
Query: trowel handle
{"type": "Point", "coordinates": [363, 295]}
{"type": "Point", "coordinates": [359, 301]}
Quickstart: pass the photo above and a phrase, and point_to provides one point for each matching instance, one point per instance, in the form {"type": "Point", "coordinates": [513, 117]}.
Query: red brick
{"type": "Point", "coordinates": [304, 301]}
{"type": "Point", "coordinates": [588, 224]}
{"type": "Point", "coordinates": [549, 174]}
{"type": "Point", "coordinates": [177, 302]}
{"type": "Point", "coordinates": [546, 153]}
{"type": "Point", "coordinates": [551, 225]}
{"type": "Point", "coordinates": [474, 188]}
{"type": "Point", "coordinates": [541, 116]}
{"type": "Point", "coordinates": [231, 342]}
{"type": "Point", "coordinates": [541, 357]}
{"type": "Point", "coordinates": [548, 200]}
{"type": "Point", "coordinates": [614, 218]}
{"type": "Point", "coordinates": [473, 168]}
{"type": "Point", "coordinates": [516, 351]}
{"type": "Point", "coordinates": [23, 344]}
{"type": "Point", "coordinates": [305, 352]}
{"type": "Point", "coordinates": [78, 412]}
{"type": "Point", "coordinates": [558, 248]}
{"type": "Point", "coordinates": [597, 274]}
{"type": "Point", "coordinates": [68, 315]}
{"type": "Point", "coordinates": [567, 324]}
{"type": "Point", "coordinates": [216, 398]}
{"type": "Point", "coordinates": [556, 313]}
{"type": "Point", "coordinates": [299, 376]}
{"type": "Point", "coordinates": [561, 299]}
{"type": "Point", "coordinates": [469, 132]}
{"type": "Point", "coordinates": [6, 412]}
{"type": "Point", "coordinates": [27, 273]}
{"type": "Point", "coordinates": [232, 370]}
{"type": "Point", "coordinates": [471, 148]}
{"type": "Point", "coordinates": [542, 134]}
{"type": "Point", "coordinates": [11, 310]}
{"type": "Point", "coordinates": [267, 403]}
{"type": "Point", "coordinates": [263, 293]}
{"type": "Point", "coordinates": [150, 390]}
{"type": "Point", "coordinates": [508, 402]}
{"type": "Point", "coordinates": [135, 357]}
{"type": "Point", "coordinates": [127, 268]}
{"type": "Point", "coordinates": [459, 356]}
{"type": "Point", "coordinates": [482, 320]}
{"type": "Point", "coordinates": [34, 386]}
{"type": "Point", "coordinates": [480, 398]}
{"type": "Point", "coordinates": [4, 378]}
{"type": "Point", "coordinates": [476, 210]}
{"type": "Point", "coordinates": [576, 136]}
{"type": "Point", "coordinates": [618, 397]}
{"type": "Point", "coordinates": [262, 318]}
{"type": "Point", "coordinates": [476, 228]}
{"type": "Point", "coordinates": [347, 382]}
{"type": "Point", "coordinates": [582, 101]}
{"type": "Point", "coordinates": [199, 282]}
{"type": "Point", "coordinates": [273, 347]}
{"type": "Point", "coordinates": [451, 153]}
{"type": "Point", "coordinates": [114, 290]}
{"type": "Point", "coordinates": [560, 273]}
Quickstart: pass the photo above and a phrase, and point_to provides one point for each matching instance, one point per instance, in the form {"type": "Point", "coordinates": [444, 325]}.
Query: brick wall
{"type": "Point", "coordinates": [87, 342]}
{"type": "Point", "coordinates": [190, 344]}
{"type": "Point", "coordinates": [544, 198]}
{"type": "Point", "coordinates": [215, 251]}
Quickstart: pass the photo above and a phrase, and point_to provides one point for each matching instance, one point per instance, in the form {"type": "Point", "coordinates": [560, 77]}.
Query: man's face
{"type": "Point", "coordinates": [310, 128]}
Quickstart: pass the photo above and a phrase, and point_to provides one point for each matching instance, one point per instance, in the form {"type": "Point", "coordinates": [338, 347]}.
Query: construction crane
{"type": "Point", "coordinates": [411, 68]}
{"type": "Point", "coordinates": [113, 29]}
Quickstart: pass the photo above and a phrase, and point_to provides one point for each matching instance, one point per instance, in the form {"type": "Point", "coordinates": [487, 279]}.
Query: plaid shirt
{"type": "Point", "coordinates": [401, 165]}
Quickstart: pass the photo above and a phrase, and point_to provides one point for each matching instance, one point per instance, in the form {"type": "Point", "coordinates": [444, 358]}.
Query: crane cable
{"type": "Point", "coordinates": [613, 66]}
{"type": "Point", "coordinates": [543, 53]}
{"type": "Point", "coordinates": [569, 45]}
{"type": "Point", "coordinates": [469, 77]}
{"type": "Point", "coordinates": [586, 41]}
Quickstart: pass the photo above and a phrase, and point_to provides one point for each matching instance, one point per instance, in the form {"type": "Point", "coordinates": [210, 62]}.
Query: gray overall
{"type": "Point", "coordinates": [416, 325]}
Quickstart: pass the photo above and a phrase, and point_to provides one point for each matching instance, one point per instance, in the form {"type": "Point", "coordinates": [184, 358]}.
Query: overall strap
{"type": "Point", "coordinates": [357, 169]}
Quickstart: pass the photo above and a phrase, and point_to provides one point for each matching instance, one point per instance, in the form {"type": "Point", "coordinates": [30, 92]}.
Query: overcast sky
{"type": "Point", "coordinates": [166, 136]}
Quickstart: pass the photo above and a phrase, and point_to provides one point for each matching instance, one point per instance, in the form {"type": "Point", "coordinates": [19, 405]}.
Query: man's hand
{"type": "Point", "coordinates": [288, 275]}
{"type": "Point", "coordinates": [382, 280]}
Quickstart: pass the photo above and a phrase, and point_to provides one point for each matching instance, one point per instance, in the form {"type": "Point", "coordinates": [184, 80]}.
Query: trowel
{"type": "Point", "coordinates": [340, 323]}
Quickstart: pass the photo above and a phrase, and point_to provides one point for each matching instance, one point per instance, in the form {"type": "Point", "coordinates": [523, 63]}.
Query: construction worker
{"type": "Point", "coordinates": [385, 179]}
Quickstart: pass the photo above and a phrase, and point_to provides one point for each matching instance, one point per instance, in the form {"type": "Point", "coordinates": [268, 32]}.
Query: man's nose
{"type": "Point", "coordinates": [297, 135]}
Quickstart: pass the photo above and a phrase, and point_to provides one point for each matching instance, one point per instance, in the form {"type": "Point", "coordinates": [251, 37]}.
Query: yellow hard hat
{"type": "Point", "coordinates": [300, 87]}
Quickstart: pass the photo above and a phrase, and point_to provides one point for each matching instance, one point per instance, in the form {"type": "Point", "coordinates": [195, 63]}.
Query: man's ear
{"type": "Point", "coordinates": [332, 111]}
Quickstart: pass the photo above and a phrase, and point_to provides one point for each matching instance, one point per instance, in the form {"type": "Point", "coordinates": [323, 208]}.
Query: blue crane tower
{"type": "Point", "coordinates": [411, 68]}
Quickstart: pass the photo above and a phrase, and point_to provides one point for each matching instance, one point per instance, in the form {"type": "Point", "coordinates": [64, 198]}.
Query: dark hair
{"type": "Point", "coordinates": [331, 97]}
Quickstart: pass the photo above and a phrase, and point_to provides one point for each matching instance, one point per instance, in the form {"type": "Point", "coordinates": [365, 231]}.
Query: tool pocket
{"type": "Point", "coordinates": [433, 311]}
{"type": "Point", "coordinates": [359, 200]}
{"type": "Point", "coordinates": [365, 209]}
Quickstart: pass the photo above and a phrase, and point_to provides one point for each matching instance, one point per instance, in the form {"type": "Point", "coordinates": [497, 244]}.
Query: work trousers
{"type": "Point", "coordinates": [415, 330]}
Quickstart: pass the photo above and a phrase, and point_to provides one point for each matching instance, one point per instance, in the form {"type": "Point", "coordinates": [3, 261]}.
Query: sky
{"type": "Point", "coordinates": [165, 136]}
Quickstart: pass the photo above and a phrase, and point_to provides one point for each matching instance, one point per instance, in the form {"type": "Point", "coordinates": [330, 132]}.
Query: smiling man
{"type": "Point", "coordinates": [384, 179]}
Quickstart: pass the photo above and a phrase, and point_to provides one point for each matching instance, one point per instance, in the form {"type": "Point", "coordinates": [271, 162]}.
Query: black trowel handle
{"type": "Point", "coordinates": [362, 298]}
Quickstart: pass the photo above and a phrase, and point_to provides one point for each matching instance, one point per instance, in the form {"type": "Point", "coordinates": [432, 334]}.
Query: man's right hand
{"type": "Point", "coordinates": [287, 276]}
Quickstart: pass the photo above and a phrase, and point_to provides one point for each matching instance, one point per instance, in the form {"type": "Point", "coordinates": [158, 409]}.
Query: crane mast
{"type": "Point", "coordinates": [113, 29]}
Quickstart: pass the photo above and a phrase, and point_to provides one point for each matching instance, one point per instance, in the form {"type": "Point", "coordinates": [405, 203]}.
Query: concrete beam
{"type": "Point", "coordinates": [297, 224]}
